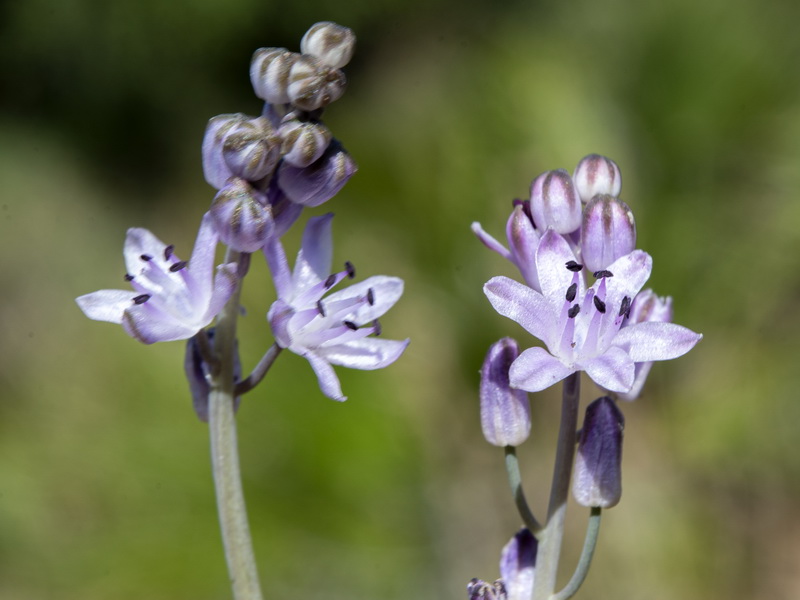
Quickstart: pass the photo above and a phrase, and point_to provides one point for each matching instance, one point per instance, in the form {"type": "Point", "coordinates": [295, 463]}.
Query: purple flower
{"type": "Point", "coordinates": [505, 411]}
{"type": "Point", "coordinates": [172, 299]}
{"type": "Point", "coordinates": [581, 327]}
{"type": "Point", "coordinates": [597, 477]}
{"type": "Point", "coordinates": [334, 330]}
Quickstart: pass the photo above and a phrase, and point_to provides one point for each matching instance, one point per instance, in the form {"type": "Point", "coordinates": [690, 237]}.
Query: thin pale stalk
{"type": "Point", "coordinates": [225, 457]}
{"type": "Point", "coordinates": [550, 543]}
{"type": "Point", "coordinates": [589, 544]}
{"type": "Point", "coordinates": [515, 481]}
{"type": "Point", "coordinates": [260, 370]}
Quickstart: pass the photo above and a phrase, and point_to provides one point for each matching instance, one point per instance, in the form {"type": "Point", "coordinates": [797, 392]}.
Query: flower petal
{"type": "Point", "coordinates": [326, 376]}
{"type": "Point", "coordinates": [386, 291]}
{"type": "Point", "coordinates": [366, 354]}
{"type": "Point", "coordinates": [140, 242]}
{"type": "Point", "coordinates": [656, 341]}
{"type": "Point", "coordinates": [148, 324]}
{"type": "Point", "coordinates": [525, 306]}
{"type": "Point", "coordinates": [314, 259]}
{"type": "Point", "coordinates": [201, 264]}
{"type": "Point", "coordinates": [489, 241]}
{"type": "Point", "coordinates": [279, 267]}
{"type": "Point", "coordinates": [536, 369]}
{"type": "Point", "coordinates": [630, 272]}
{"type": "Point", "coordinates": [224, 286]}
{"type": "Point", "coordinates": [106, 305]}
{"type": "Point", "coordinates": [612, 370]}
{"type": "Point", "coordinates": [552, 256]}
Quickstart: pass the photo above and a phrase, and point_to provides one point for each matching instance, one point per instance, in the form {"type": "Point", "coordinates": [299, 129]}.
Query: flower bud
{"type": "Point", "coordinates": [478, 589]}
{"type": "Point", "coordinates": [597, 478]}
{"type": "Point", "coordinates": [595, 175]}
{"type": "Point", "coordinates": [197, 372]}
{"type": "Point", "coordinates": [319, 182]}
{"type": "Point", "coordinates": [332, 44]}
{"type": "Point", "coordinates": [312, 85]}
{"type": "Point", "coordinates": [269, 73]}
{"type": "Point", "coordinates": [303, 141]}
{"type": "Point", "coordinates": [239, 146]}
{"type": "Point", "coordinates": [505, 412]}
{"type": "Point", "coordinates": [518, 565]}
{"type": "Point", "coordinates": [523, 240]}
{"type": "Point", "coordinates": [284, 212]}
{"type": "Point", "coordinates": [241, 220]}
{"type": "Point", "coordinates": [555, 202]}
{"type": "Point", "coordinates": [608, 233]}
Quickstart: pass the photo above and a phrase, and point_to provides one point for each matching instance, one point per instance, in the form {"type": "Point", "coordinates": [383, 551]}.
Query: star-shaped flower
{"type": "Point", "coordinates": [581, 327]}
{"type": "Point", "coordinates": [172, 299]}
{"type": "Point", "coordinates": [333, 330]}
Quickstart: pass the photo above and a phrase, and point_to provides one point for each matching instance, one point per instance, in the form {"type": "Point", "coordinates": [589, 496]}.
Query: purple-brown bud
{"type": "Point", "coordinates": [332, 44]}
{"type": "Point", "coordinates": [597, 478]}
{"type": "Point", "coordinates": [523, 240]}
{"type": "Point", "coordinates": [608, 233]}
{"type": "Point", "coordinates": [303, 141]}
{"type": "Point", "coordinates": [270, 70]}
{"type": "Point", "coordinates": [320, 181]}
{"type": "Point", "coordinates": [240, 216]}
{"type": "Point", "coordinates": [595, 175]}
{"type": "Point", "coordinates": [313, 85]}
{"type": "Point", "coordinates": [505, 412]}
{"type": "Point", "coordinates": [555, 202]}
{"type": "Point", "coordinates": [518, 565]}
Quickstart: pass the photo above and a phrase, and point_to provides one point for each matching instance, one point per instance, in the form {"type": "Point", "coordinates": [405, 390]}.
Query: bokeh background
{"type": "Point", "coordinates": [453, 107]}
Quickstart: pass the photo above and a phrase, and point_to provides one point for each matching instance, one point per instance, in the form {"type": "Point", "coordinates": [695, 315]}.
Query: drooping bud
{"type": "Point", "coordinates": [555, 202]}
{"type": "Point", "coordinates": [332, 44]}
{"type": "Point", "coordinates": [241, 217]}
{"type": "Point", "coordinates": [608, 232]}
{"type": "Point", "coordinates": [319, 182]}
{"type": "Point", "coordinates": [270, 70]}
{"type": "Point", "coordinates": [646, 307]}
{"type": "Point", "coordinates": [505, 412]}
{"type": "Point", "coordinates": [303, 141]}
{"type": "Point", "coordinates": [597, 478]}
{"type": "Point", "coordinates": [523, 240]}
{"type": "Point", "coordinates": [518, 565]}
{"type": "Point", "coordinates": [478, 589]}
{"type": "Point", "coordinates": [236, 145]}
{"type": "Point", "coordinates": [595, 175]}
{"type": "Point", "coordinates": [197, 372]}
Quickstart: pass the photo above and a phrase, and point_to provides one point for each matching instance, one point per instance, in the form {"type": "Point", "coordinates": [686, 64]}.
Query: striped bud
{"type": "Point", "coordinates": [242, 221]}
{"type": "Point", "coordinates": [595, 175]}
{"type": "Point", "coordinates": [597, 478]}
{"type": "Point", "coordinates": [332, 44]}
{"type": "Point", "coordinates": [321, 180]}
{"type": "Point", "coordinates": [505, 412]}
{"type": "Point", "coordinates": [269, 73]}
{"type": "Point", "coordinates": [555, 202]}
{"type": "Point", "coordinates": [608, 233]}
{"type": "Point", "coordinates": [312, 85]}
{"type": "Point", "coordinates": [303, 141]}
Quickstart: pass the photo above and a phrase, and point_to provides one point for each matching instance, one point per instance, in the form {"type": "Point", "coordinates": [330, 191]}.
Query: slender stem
{"type": "Point", "coordinates": [515, 481]}
{"type": "Point", "coordinates": [260, 370]}
{"type": "Point", "coordinates": [589, 544]}
{"type": "Point", "coordinates": [225, 458]}
{"type": "Point", "coordinates": [550, 543]}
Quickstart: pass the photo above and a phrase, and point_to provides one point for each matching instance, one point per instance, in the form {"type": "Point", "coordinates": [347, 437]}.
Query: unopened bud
{"type": "Point", "coordinates": [609, 232]}
{"type": "Point", "coordinates": [332, 44]}
{"type": "Point", "coordinates": [239, 146]}
{"type": "Point", "coordinates": [320, 181]}
{"type": "Point", "coordinates": [478, 589]}
{"type": "Point", "coordinates": [555, 202]}
{"type": "Point", "coordinates": [595, 175]}
{"type": "Point", "coordinates": [505, 412]}
{"type": "Point", "coordinates": [242, 221]}
{"type": "Point", "coordinates": [303, 141]}
{"type": "Point", "coordinates": [518, 565]}
{"type": "Point", "coordinates": [197, 373]}
{"type": "Point", "coordinates": [269, 73]}
{"type": "Point", "coordinates": [523, 240]}
{"type": "Point", "coordinates": [313, 85]}
{"type": "Point", "coordinates": [597, 478]}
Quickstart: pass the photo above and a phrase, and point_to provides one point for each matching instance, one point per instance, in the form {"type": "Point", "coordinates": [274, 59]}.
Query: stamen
{"type": "Point", "coordinates": [370, 297]}
{"type": "Point", "coordinates": [625, 308]}
{"type": "Point", "coordinates": [572, 292]}
{"type": "Point", "coordinates": [330, 280]}
{"type": "Point", "coordinates": [599, 305]}
{"type": "Point", "coordinates": [141, 299]}
{"type": "Point", "coordinates": [168, 251]}
{"type": "Point", "coordinates": [377, 327]}
{"type": "Point", "coordinates": [128, 277]}
{"type": "Point", "coordinates": [603, 273]}
{"type": "Point", "coordinates": [573, 312]}
{"type": "Point", "coordinates": [574, 266]}
{"type": "Point", "coordinates": [351, 325]}
{"type": "Point", "coordinates": [146, 257]}
{"type": "Point", "coordinates": [177, 266]}
{"type": "Point", "coordinates": [351, 270]}
{"type": "Point", "coordinates": [320, 308]}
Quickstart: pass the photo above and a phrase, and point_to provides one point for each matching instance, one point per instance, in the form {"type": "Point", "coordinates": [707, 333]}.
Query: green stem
{"type": "Point", "coordinates": [515, 481]}
{"type": "Point", "coordinates": [225, 458]}
{"type": "Point", "coordinates": [550, 543]}
{"type": "Point", "coordinates": [260, 370]}
{"type": "Point", "coordinates": [589, 544]}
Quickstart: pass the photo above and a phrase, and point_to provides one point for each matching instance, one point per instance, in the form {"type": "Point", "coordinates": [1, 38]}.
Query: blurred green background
{"type": "Point", "coordinates": [453, 107]}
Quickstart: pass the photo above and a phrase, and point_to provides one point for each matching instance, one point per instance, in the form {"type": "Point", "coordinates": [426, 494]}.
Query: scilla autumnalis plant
{"type": "Point", "coordinates": [266, 170]}
{"type": "Point", "coordinates": [574, 243]}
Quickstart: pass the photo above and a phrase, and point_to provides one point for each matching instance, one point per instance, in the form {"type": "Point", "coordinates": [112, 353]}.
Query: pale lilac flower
{"type": "Point", "coordinates": [597, 174]}
{"type": "Point", "coordinates": [580, 327]}
{"type": "Point", "coordinates": [333, 330]}
{"type": "Point", "coordinates": [505, 411]}
{"type": "Point", "coordinates": [172, 299]}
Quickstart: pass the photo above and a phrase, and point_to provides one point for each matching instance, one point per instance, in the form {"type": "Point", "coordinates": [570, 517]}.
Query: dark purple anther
{"type": "Point", "coordinates": [370, 297]}
{"type": "Point", "coordinates": [351, 325]}
{"type": "Point", "coordinates": [625, 308]}
{"type": "Point", "coordinates": [573, 312]}
{"type": "Point", "coordinates": [603, 273]}
{"type": "Point", "coordinates": [141, 299]}
{"type": "Point", "coordinates": [572, 292]}
{"type": "Point", "coordinates": [574, 266]}
{"type": "Point", "coordinates": [168, 251]}
{"type": "Point", "coordinates": [330, 281]}
{"type": "Point", "coordinates": [351, 270]}
{"type": "Point", "coordinates": [128, 277]}
{"type": "Point", "coordinates": [177, 266]}
{"type": "Point", "coordinates": [320, 308]}
{"type": "Point", "coordinates": [599, 305]}
{"type": "Point", "coordinates": [376, 325]}
{"type": "Point", "coordinates": [146, 257]}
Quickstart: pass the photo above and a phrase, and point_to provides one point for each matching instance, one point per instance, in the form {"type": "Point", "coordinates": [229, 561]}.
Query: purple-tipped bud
{"type": "Point", "coordinates": [595, 175]}
{"type": "Point", "coordinates": [240, 217]}
{"type": "Point", "coordinates": [313, 85]}
{"type": "Point", "coordinates": [197, 372]}
{"type": "Point", "coordinates": [505, 412]}
{"type": "Point", "coordinates": [555, 202]}
{"type": "Point", "coordinates": [597, 478]}
{"type": "Point", "coordinates": [303, 141]}
{"type": "Point", "coordinates": [609, 232]}
{"type": "Point", "coordinates": [478, 589]}
{"type": "Point", "coordinates": [332, 44]}
{"type": "Point", "coordinates": [270, 70]}
{"type": "Point", "coordinates": [518, 565]}
{"type": "Point", "coordinates": [239, 146]}
{"type": "Point", "coordinates": [320, 181]}
{"type": "Point", "coordinates": [646, 307]}
{"type": "Point", "coordinates": [523, 240]}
